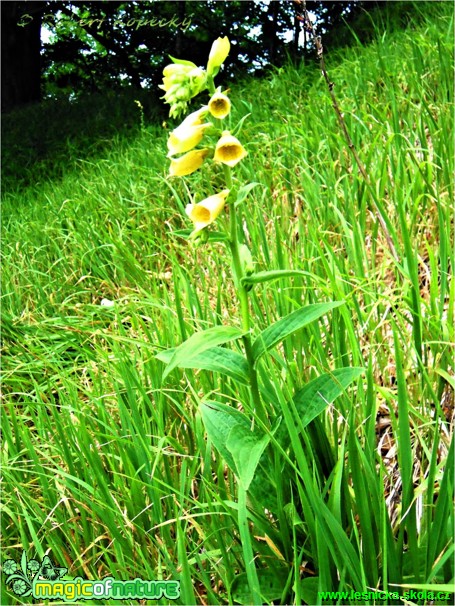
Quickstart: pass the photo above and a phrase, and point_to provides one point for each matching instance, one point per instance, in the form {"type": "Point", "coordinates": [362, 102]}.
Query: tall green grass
{"type": "Point", "coordinates": [107, 467]}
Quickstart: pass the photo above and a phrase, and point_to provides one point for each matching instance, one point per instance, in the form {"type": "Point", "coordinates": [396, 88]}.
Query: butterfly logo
{"type": "Point", "coordinates": [49, 571]}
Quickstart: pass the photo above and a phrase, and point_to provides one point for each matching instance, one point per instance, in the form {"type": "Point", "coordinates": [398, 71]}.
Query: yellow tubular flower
{"type": "Point", "coordinates": [187, 164]}
{"type": "Point", "coordinates": [218, 53]}
{"type": "Point", "coordinates": [204, 213]}
{"type": "Point", "coordinates": [188, 134]}
{"type": "Point", "coordinates": [219, 105]}
{"type": "Point", "coordinates": [182, 139]}
{"type": "Point", "coordinates": [229, 150]}
{"type": "Point", "coordinates": [195, 118]}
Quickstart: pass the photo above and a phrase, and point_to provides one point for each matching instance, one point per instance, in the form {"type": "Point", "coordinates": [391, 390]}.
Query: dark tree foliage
{"type": "Point", "coordinates": [21, 63]}
{"type": "Point", "coordinates": [103, 44]}
{"type": "Point", "coordinates": [94, 46]}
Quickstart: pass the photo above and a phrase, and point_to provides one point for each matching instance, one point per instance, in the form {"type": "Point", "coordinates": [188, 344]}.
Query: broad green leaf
{"type": "Point", "coordinates": [246, 448]}
{"type": "Point", "coordinates": [200, 342]}
{"type": "Point", "coordinates": [290, 324]}
{"type": "Point", "coordinates": [226, 427]}
{"type": "Point", "coordinates": [277, 274]}
{"type": "Point", "coordinates": [272, 584]}
{"type": "Point", "coordinates": [311, 400]}
{"type": "Point", "coordinates": [219, 419]}
{"type": "Point", "coordinates": [263, 489]}
{"type": "Point", "coordinates": [217, 359]}
{"type": "Point", "coordinates": [309, 587]}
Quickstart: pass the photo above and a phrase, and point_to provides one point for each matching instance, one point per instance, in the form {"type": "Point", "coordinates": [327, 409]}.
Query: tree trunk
{"type": "Point", "coordinates": [21, 48]}
{"type": "Point", "coordinates": [270, 29]}
{"type": "Point", "coordinates": [181, 7]}
{"type": "Point", "coordinates": [295, 45]}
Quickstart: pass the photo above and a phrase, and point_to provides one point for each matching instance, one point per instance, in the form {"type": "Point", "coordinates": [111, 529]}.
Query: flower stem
{"type": "Point", "coordinates": [210, 85]}
{"type": "Point", "coordinates": [242, 293]}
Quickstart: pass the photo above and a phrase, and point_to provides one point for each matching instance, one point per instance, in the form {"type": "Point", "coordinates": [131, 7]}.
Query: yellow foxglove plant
{"type": "Point", "coordinates": [233, 432]}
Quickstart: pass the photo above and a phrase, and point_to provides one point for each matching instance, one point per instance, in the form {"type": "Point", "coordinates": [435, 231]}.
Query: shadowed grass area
{"type": "Point", "coordinates": [107, 466]}
{"type": "Point", "coordinates": [45, 141]}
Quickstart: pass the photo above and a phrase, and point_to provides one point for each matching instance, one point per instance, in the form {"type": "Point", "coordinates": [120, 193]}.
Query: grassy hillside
{"type": "Point", "coordinates": [106, 464]}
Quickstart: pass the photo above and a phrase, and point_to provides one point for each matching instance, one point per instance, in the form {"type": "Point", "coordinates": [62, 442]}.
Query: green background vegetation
{"type": "Point", "coordinates": [106, 465]}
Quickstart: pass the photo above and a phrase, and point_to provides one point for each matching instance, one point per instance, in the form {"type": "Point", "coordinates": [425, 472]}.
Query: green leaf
{"type": "Point", "coordinates": [243, 192]}
{"type": "Point", "coordinates": [200, 342]}
{"type": "Point", "coordinates": [246, 448]}
{"type": "Point", "coordinates": [271, 582]}
{"type": "Point", "coordinates": [219, 419]}
{"type": "Point", "coordinates": [292, 514]}
{"type": "Point", "coordinates": [216, 359]}
{"type": "Point", "coordinates": [290, 324]}
{"type": "Point", "coordinates": [230, 432]}
{"type": "Point", "coordinates": [212, 236]}
{"type": "Point", "coordinates": [263, 489]}
{"type": "Point", "coordinates": [312, 399]}
{"type": "Point", "coordinates": [182, 61]}
{"type": "Point", "coordinates": [238, 128]}
{"type": "Point", "coordinates": [309, 587]}
{"type": "Point", "coordinates": [445, 375]}
{"type": "Point", "coordinates": [276, 274]}
{"type": "Point", "coordinates": [24, 563]}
